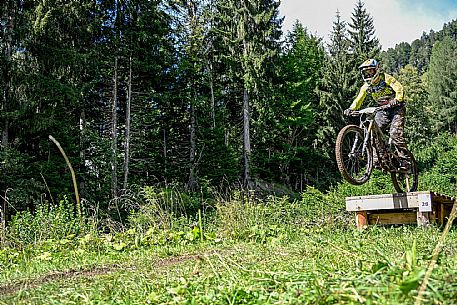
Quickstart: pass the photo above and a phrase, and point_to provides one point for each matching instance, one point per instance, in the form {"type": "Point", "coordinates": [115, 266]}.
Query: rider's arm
{"type": "Point", "coordinates": [360, 97]}
{"type": "Point", "coordinates": [395, 84]}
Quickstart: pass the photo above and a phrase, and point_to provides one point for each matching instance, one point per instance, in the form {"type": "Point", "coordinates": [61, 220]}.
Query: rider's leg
{"type": "Point", "coordinates": [382, 120]}
{"type": "Point", "coordinates": [397, 130]}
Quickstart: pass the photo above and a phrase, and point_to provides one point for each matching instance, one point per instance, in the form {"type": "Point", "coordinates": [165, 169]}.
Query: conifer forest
{"type": "Point", "coordinates": [198, 94]}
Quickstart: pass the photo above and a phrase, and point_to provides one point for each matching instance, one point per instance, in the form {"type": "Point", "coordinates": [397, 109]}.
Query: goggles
{"type": "Point", "coordinates": [368, 73]}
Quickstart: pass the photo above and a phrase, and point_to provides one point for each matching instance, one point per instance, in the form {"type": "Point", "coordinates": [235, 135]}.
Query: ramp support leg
{"type": "Point", "coordinates": [423, 219]}
{"type": "Point", "coordinates": [361, 219]}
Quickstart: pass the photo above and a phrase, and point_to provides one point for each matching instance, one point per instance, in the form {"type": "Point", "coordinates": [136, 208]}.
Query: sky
{"type": "Point", "coordinates": [395, 21]}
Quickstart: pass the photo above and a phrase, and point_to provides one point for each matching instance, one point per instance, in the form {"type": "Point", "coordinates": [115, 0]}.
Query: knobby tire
{"type": "Point", "coordinates": [414, 175]}
{"type": "Point", "coordinates": [343, 135]}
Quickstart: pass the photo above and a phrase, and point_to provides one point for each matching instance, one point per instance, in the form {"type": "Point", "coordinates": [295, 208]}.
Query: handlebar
{"type": "Point", "coordinates": [369, 110]}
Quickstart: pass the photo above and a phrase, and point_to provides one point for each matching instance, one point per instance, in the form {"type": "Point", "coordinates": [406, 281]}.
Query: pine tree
{"type": "Point", "coordinates": [294, 110]}
{"type": "Point", "coordinates": [418, 125]}
{"type": "Point", "coordinates": [133, 42]}
{"type": "Point", "coordinates": [153, 90]}
{"type": "Point", "coordinates": [8, 44]}
{"type": "Point", "coordinates": [393, 60]}
{"type": "Point", "coordinates": [192, 25]}
{"type": "Point", "coordinates": [336, 87]}
{"type": "Point", "coordinates": [442, 80]}
{"type": "Point", "coordinates": [249, 32]}
{"type": "Point", "coordinates": [55, 74]}
{"type": "Point", "coordinates": [364, 43]}
{"type": "Point", "coordinates": [419, 52]}
{"type": "Point", "coordinates": [16, 161]}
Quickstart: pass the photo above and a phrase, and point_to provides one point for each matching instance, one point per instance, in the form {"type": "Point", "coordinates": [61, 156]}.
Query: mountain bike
{"type": "Point", "coordinates": [356, 147]}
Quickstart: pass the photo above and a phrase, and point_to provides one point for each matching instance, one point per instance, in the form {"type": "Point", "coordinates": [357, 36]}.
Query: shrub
{"type": "Point", "coordinates": [442, 177]}
{"type": "Point", "coordinates": [163, 208]}
{"type": "Point", "coordinates": [48, 222]}
{"type": "Point", "coordinates": [246, 217]}
{"type": "Point", "coordinates": [379, 183]}
{"type": "Point", "coordinates": [437, 165]}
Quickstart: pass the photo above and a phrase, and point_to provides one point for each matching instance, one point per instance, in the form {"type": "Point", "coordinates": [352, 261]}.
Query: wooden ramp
{"type": "Point", "coordinates": [422, 208]}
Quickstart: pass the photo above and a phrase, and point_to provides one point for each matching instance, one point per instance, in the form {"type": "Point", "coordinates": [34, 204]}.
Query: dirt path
{"type": "Point", "coordinates": [90, 272]}
{"type": "Point", "coordinates": [55, 276]}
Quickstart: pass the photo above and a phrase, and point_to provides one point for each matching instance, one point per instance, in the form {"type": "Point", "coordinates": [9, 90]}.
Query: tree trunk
{"type": "Point", "coordinates": [193, 23]}
{"type": "Point", "coordinates": [114, 133]}
{"type": "Point", "coordinates": [11, 11]}
{"type": "Point", "coordinates": [213, 103]}
{"type": "Point", "coordinates": [165, 155]}
{"type": "Point", "coordinates": [82, 153]}
{"type": "Point", "coordinates": [127, 126]}
{"type": "Point", "coordinates": [246, 139]}
{"type": "Point", "coordinates": [193, 148]}
{"type": "Point", "coordinates": [5, 134]}
{"type": "Point", "coordinates": [246, 127]}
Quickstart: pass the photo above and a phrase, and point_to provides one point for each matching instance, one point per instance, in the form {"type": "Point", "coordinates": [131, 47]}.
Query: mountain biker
{"type": "Point", "coordinates": [385, 90]}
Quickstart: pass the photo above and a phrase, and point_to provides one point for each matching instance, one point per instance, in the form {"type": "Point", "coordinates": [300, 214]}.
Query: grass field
{"type": "Point", "coordinates": [245, 251]}
{"type": "Point", "coordinates": [318, 266]}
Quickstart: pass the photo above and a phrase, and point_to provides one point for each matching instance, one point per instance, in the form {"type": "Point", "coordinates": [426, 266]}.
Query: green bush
{"type": "Point", "coordinates": [438, 164]}
{"type": "Point", "coordinates": [246, 217]}
{"type": "Point", "coordinates": [48, 222]}
{"type": "Point", "coordinates": [379, 183]}
{"type": "Point", "coordinates": [441, 178]}
{"type": "Point", "coordinates": [164, 208]}
{"type": "Point", "coordinates": [250, 218]}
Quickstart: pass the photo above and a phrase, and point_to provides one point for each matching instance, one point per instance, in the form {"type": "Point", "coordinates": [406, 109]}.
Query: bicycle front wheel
{"type": "Point", "coordinates": [355, 162]}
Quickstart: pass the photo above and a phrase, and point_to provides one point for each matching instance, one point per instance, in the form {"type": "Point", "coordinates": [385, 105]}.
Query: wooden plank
{"type": "Point", "coordinates": [436, 196]}
{"type": "Point", "coordinates": [383, 202]}
{"type": "Point", "coordinates": [405, 208]}
{"type": "Point", "coordinates": [392, 218]}
{"type": "Point", "coordinates": [393, 201]}
{"type": "Point", "coordinates": [442, 199]}
{"type": "Point", "coordinates": [441, 213]}
{"type": "Point", "coordinates": [447, 212]}
{"type": "Point", "coordinates": [433, 217]}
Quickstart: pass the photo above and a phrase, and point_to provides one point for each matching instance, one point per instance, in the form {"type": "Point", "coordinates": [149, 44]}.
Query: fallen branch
{"type": "Point", "coordinates": [73, 176]}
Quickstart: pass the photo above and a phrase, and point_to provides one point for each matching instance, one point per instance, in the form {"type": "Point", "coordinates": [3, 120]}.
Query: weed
{"type": "Point", "coordinates": [50, 221]}
{"type": "Point", "coordinates": [248, 218]}
{"type": "Point", "coordinates": [270, 250]}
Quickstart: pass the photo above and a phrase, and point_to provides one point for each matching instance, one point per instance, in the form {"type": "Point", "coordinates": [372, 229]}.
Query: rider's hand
{"type": "Point", "coordinates": [394, 103]}
{"type": "Point", "coordinates": [347, 112]}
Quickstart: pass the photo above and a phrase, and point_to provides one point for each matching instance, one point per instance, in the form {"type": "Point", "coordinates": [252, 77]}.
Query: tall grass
{"type": "Point", "coordinates": [165, 208]}
{"type": "Point", "coordinates": [49, 221]}
{"type": "Point", "coordinates": [246, 249]}
{"type": "Point", "coordinates": [244, 216]}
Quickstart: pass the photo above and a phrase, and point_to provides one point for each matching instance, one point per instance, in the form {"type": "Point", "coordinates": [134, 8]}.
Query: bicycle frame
{"type": "Point", "coordinates": [373, 132]}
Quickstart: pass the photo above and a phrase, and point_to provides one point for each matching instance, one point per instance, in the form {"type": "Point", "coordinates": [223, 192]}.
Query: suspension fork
{"type": "Point", "coordinates": [365, 140]}
{"type": "Point", "coordinates": [367, 135]}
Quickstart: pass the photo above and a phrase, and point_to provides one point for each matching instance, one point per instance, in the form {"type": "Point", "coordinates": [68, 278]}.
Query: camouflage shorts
{"type": "Point", "coordinates": [393, 121]}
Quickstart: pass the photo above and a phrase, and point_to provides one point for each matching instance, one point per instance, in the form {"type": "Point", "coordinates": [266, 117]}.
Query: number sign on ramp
{"type": "Point", "coordinates": [403, 208]}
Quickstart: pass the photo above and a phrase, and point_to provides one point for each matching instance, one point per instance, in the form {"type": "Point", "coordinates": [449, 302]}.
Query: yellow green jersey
{"type": "Point", "coordinates": [387, 89]}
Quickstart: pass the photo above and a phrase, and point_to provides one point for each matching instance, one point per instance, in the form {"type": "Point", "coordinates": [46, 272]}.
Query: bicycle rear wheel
{"type": "Point", "coordinates": [407, 181]}
{"type": "Point", "coordinates": [354, 162]}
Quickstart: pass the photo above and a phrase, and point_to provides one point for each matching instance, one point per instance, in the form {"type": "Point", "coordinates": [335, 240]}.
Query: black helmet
{"type": "Point", "coordinates": [370, 70]}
